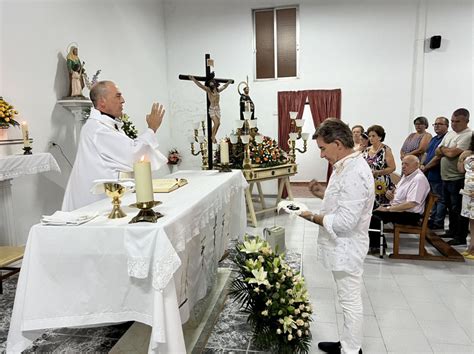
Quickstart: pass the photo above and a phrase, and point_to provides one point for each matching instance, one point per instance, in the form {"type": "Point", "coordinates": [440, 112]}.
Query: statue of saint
{"type": "Point", "coordinates": [76, 73]}
{"type": "Point", "coordinates": [246, 103]}
{"type": "Point", "coordinates": [213, 90]}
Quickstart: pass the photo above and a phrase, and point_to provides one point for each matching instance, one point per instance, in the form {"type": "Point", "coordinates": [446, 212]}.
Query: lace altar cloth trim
{"type": "Point", "coordinates": [18, 165]}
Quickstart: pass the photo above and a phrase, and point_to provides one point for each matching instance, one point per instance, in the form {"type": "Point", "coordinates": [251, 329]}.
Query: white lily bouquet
{"type": "Point", "coordinates": [274, 296]}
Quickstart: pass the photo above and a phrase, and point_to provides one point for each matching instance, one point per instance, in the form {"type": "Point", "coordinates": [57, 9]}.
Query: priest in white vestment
{"type": "Point", "coordinates": [344, 218]}
{"type": "Point", "coordinates": [104, 150]}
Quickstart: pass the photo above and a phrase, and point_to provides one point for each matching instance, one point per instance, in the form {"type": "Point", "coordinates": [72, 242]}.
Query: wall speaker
{"type": "Point", "coordinates": [435, 42]}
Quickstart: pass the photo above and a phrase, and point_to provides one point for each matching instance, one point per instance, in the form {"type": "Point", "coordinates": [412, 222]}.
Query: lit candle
{"type": "Point", "coordinates": [26, 136]}
{"type": "Point", "coordinates": [224, 152]}
{"type": "Point", "coordinates": [143, 182]}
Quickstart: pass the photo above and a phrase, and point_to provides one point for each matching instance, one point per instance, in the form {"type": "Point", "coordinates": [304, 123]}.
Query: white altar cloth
{"type": "Point", "coordinates": [13, 166]}
{"type": "Point", "coordinates": [108, 271]}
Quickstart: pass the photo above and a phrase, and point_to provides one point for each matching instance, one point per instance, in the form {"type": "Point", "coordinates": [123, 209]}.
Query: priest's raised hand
{"type": "Point", "coordinates": [155, 117]}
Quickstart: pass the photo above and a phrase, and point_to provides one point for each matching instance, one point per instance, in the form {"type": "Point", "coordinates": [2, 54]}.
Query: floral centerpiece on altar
{"type": "Point", "coordinates": [274, 296]}
{"type": "Point", "coordinates": [174, 157]}
{"type": "Point", "coordinates": [7, 114]}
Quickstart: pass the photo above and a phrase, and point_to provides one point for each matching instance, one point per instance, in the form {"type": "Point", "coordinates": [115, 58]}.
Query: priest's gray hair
{"type": "Point", "coordinates": [99, 90]}
{"type": "Point", "coordinates": [333, 129]}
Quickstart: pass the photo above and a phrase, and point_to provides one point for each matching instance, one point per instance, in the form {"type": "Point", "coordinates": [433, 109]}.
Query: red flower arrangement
{"type": "Point", "coordinates": [174, 157]}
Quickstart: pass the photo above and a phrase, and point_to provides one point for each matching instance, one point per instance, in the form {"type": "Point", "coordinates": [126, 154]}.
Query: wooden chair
{"type": "Point", "coordinates": [9, 255]}
{"type": "Point", "coordinates": [421, 230]}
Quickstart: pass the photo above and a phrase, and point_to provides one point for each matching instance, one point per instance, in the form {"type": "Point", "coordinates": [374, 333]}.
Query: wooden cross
{"type": "Point", "coordinates": [208, 62]}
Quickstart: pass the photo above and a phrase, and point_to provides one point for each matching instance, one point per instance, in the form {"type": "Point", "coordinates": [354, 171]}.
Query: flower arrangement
{"type": "Point", "coordinates": [274, 296]}
{"type": "Point", "coordinates": [174, 157]}
{"type": "Point", "coordinates": [266, 154]}
{"type": "Point", "coordinates": [128, 127]}
{"type": "Point", "coordinates": [7, 114]}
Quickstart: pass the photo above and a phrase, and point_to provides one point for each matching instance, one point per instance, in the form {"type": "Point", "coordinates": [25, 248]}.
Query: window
{"type": "Point", "coordinates": [276, 45]}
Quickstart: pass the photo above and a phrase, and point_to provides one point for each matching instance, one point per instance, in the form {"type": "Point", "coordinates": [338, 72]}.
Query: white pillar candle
{"type": "Point", "coordinates": [143, 181]}
{"type": "Point", "coordinates": [224, 152]}
{"type": "Point", "coordinates": [26, 136]}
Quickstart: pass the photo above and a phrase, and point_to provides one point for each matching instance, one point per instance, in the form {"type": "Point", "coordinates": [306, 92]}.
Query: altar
{"type": "Point", "coordinates": [109, 271]}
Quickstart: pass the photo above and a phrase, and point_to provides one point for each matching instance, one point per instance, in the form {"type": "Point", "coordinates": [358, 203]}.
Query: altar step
{"type": "Point", "coordinates": [196, 331]}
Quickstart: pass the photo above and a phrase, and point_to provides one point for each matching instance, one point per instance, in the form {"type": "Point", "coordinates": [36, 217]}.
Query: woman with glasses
{"type": "Point", "coordinates": [417, 143]}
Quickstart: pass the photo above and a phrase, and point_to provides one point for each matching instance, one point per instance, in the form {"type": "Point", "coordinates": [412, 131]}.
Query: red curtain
{"type": "Point", "coordinates": [288, 101]}
{"type": "Point", "coordinates": [324, 104]}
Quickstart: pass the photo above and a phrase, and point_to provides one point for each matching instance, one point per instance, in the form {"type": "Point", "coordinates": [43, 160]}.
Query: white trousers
{"type": "Point", "coordinates": [350, 298]}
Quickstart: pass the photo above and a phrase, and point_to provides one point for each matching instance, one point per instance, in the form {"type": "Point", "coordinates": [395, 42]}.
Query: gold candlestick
{"type": "Point", "coordinates": [115, 191]}
{"type": "Point", "coordinates": [247, 163]}
{"type": "Point", "coordinates": [146, 213]}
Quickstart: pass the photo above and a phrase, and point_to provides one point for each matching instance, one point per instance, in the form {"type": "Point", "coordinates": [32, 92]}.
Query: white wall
{"type": "Point", "coordinates": [448, 73]}
{"type": "Point", "coordinates": [123, 38]}
{"type": "Point", "coordinates": [366, 48]}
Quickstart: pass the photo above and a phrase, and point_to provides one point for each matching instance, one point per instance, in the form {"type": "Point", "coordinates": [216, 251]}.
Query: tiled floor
{"type": "Point", "coordinates": [409, 306]}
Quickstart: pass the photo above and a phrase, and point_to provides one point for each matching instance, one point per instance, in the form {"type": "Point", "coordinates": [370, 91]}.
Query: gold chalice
{"type": "Point", "coordinates": [115, 191]}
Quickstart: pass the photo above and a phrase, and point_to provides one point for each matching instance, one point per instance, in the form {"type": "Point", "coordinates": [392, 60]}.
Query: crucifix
{"type": "Point", "coordinates": [211, 86]}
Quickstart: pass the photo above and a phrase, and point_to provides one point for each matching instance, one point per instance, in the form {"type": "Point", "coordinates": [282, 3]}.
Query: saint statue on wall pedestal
{"type": "Point", "coordinates": [76, 73]}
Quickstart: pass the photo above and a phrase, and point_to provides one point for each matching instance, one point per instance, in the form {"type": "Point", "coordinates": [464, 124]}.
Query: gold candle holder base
{"type": "Point", "coordinates": [115, 191]}
{"type": "Point", "coordinates": [224, 167]}
{"type": "Point", "coordinates": [146, 213]}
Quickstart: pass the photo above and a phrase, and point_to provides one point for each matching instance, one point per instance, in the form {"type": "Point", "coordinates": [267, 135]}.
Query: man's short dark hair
{"type": "Point", "coordinates": [333, 129]}
{"type": "Point", "coordinates": [99, 90]}
{"type": "Point", "coordinates": [461, 112]}
{"type": "Point", "coordinates": [358, 126]}
{"type": "Point", "coordinates": [377, 129]}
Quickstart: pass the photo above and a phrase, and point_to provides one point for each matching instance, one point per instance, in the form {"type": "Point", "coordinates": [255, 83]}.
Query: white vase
{"type": "Point", "coordinates": [173, 168]}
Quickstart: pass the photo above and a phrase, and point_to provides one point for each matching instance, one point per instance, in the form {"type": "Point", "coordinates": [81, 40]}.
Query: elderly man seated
{"type": "Point", "coordinates": [407, 201]}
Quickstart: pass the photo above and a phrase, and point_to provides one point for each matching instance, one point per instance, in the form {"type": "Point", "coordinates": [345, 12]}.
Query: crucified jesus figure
{"type": "Point", "coordinates": [213, 90]}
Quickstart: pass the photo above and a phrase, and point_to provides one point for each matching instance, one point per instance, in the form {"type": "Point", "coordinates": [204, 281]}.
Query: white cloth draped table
{"type": "Point", "coordinates": [13, 166]}
{"type": "Point", "coordinates": [108, 271]}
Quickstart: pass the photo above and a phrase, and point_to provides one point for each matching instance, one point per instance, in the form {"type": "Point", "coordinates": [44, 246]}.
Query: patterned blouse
{"type": "Point", "coordinates": [412, 142]}
{"type": "Point", "coordinates": [383, 183]}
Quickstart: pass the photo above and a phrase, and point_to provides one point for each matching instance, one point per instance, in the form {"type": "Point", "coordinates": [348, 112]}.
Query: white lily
{"type": "Point", "coordinates": [260, 277]}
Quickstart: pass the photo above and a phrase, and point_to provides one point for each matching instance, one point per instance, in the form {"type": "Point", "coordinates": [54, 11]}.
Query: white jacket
{"type": "Point", "coordinates": [103, 152]}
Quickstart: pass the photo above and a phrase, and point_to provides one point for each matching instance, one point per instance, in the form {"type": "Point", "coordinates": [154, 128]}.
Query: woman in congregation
{"type": "Point", "coordinates": [380, 159]}
{"type": "Point", "coordinates": [357, 131]}
{"type": "Point", "coordinates": [466, 165]}
{"type": "Point", "coordinates": [417, 143]}
{"type": "Point", "coordinates": [364, 142]}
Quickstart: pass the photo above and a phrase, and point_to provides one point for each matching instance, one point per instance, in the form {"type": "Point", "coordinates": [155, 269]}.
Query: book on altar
{"type": "Point", "coordinates": [165, 185]}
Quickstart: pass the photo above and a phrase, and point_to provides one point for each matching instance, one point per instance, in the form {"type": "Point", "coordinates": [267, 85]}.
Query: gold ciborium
{"type": "Point", "coordinates": [115, 191]}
